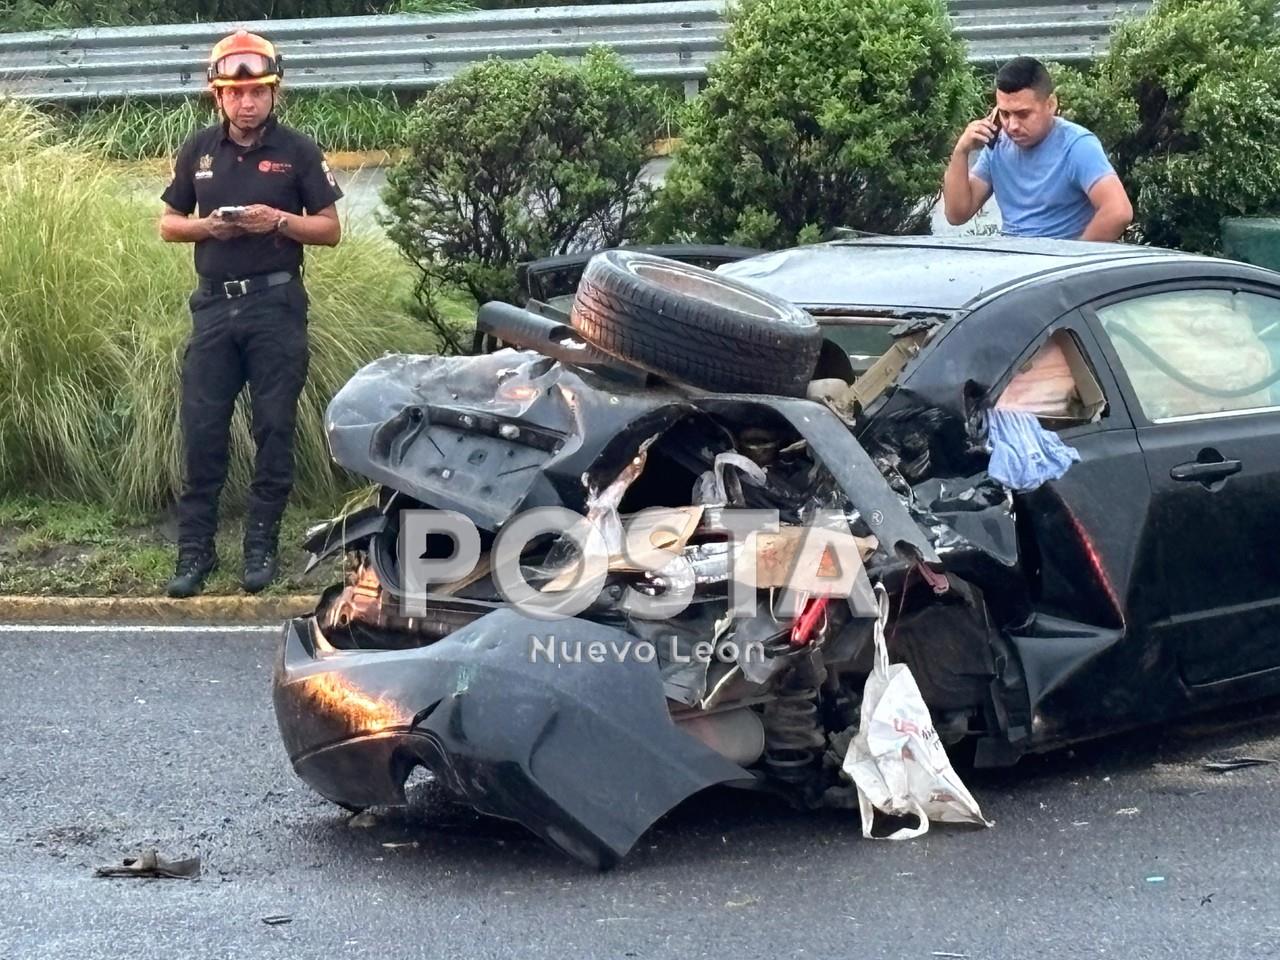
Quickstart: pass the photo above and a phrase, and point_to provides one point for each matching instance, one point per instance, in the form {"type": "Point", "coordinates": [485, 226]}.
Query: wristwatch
{"type": "Point", "coordinates": [281, 224]}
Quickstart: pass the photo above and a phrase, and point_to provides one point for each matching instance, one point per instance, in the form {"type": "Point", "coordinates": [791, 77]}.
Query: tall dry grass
{"type": "Point", "coordinates": [93, 322]}
{"type": "Point", "coordinates": [335, 119]}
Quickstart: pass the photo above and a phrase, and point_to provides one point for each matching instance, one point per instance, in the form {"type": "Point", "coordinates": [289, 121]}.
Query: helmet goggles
{"type": "Point", "coordinates": [243, 69]}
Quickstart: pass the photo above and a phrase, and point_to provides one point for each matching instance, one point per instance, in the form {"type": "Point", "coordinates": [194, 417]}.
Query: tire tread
{"type": "Point", "coordinates": [704, 344]}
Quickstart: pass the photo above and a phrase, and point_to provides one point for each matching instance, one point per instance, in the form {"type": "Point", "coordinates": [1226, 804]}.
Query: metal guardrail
{"type": "Point", "coordinates": [675, 40]}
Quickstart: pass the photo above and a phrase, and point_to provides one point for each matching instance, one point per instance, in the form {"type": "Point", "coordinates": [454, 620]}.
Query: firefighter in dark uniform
{"type": "Point", "coordinates": [260, 191]}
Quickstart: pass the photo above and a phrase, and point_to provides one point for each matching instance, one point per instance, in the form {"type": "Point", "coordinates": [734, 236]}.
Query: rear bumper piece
{"type": "Point", "coordinates": [583, 754]}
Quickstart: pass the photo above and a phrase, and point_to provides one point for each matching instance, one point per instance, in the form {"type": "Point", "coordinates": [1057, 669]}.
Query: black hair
{"type": "Point", "coordinates": [1023, 72]}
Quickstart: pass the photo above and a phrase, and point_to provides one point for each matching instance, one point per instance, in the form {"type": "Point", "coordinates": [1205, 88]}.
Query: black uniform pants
{"type": "Point", "coordinates": [259, 339]}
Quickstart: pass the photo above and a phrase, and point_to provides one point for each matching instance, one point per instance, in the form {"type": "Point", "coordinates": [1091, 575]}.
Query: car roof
{"type": "Point", "coordinates": [938, 274]}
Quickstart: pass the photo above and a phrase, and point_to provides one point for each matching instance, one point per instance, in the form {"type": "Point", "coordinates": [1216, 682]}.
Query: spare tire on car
{"type": "Point", "coordinates": [695, 326]}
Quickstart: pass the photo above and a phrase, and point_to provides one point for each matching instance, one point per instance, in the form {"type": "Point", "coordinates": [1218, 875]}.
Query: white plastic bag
{"type": "Point", "coordinates": [715, 489]}
{"type": "Point", "coordinates": [896, 759]}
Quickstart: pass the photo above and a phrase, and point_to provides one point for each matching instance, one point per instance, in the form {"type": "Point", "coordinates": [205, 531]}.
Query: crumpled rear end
{"type": "Point", "coordinates": [584, 755]}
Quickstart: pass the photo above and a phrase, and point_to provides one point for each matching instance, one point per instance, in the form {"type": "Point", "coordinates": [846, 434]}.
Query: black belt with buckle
{"type": "Point", "coordinates": [239, 288]}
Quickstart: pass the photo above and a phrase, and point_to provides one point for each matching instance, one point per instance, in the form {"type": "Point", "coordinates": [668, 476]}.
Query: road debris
{"type": "Point", "coordinates": [150, 865]}
{"type": "Point", "coordinates": [277, 919]}
{"type": "Point", "coordinates": [362, 821]}
{"type": "Point", "coordinates": [1227, 764]}
{"type": "Point", "coordinates": [1128, 812]}
{"type": "Point", "coordinates": [896, 758]}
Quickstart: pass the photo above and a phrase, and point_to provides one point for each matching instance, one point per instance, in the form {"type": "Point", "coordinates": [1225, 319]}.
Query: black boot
{"type": "Point", "coordinates": [260, 539]}
{"type": "Point", "coordinates": [195, 563]}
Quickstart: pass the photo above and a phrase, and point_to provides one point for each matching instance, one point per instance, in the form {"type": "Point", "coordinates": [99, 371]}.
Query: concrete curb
{"type": "Point", "coordinates": [154, 610]}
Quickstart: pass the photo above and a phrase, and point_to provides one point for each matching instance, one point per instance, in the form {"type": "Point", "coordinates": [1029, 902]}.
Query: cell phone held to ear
{"type": "Point", "coordinates": [229, 213]}
{"type": "Point", "coordinates": [995, 121]}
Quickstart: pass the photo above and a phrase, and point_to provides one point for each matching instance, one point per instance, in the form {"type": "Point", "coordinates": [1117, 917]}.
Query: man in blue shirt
{"type": "Point", "coordinates": [1050, 176]}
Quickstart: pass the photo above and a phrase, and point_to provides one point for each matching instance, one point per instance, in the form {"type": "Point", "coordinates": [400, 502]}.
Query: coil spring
{"type": "Point", "coordinates": [793, 738]}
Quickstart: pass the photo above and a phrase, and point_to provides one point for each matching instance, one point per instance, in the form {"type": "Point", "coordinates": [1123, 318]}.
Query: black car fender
{"type": "Point", "coordinates": [348, 532]}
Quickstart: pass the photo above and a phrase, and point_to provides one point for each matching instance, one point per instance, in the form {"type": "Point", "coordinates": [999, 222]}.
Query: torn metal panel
{"type": "Point", "coordinates": [513, 735]}
{"type": "Point", "coordinates": [832, 445]}
{"type": "Point", "coordinates": [488, 435]}
{"type": "Point", "coordinates": [602, 505]}
{"type": "Point", "coordinates": [1060, 661]}
{"type": "Point", "coordinates": [927, 440]}
{"type": "Point", "coordinates": [972, 523]}
{"type": "Point", "coordinates": [344, 533]}
{"type": "Point", "coordinates": [438, 430]}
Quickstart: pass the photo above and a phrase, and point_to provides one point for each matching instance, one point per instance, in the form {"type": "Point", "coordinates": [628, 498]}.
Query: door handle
{"type": "Point", "coordinates": [1206, 472]}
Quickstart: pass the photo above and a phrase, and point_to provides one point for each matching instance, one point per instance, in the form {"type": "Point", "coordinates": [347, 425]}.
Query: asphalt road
{"type": "Point", "coordinates": [115, 741]}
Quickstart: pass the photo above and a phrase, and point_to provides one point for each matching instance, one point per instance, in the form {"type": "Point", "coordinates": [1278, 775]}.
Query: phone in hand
{"type": "Point", "coordinates": [995, 119]}
{"type": "Point", "coordinates": [229, 213]}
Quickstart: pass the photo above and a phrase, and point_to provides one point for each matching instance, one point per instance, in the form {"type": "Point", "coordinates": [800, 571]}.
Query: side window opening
{"type": "Point", "coordinates": [1057, 385]}
{"type": "Point", "coordinates": [1198, 352]}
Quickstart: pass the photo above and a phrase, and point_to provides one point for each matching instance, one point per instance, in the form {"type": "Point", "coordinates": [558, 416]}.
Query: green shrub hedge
{"type": "Point", "coordinates": [513, 160]}
{"type": "Point", "coordinates": [820, 114]}
{"type": "Point", "coordinates": [1187, 103]}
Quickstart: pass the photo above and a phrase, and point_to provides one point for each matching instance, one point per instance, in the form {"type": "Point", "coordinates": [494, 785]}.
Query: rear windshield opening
{"type": "Point", "coordinates": [863, 341]}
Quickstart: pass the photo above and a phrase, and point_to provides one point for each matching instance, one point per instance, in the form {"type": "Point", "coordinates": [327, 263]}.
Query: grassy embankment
{"type": "Point", "coordinates": [92, 327]}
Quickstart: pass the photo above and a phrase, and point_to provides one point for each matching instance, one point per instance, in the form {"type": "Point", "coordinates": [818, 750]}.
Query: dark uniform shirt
{"type": "Point", "coordinates": [284, 169]}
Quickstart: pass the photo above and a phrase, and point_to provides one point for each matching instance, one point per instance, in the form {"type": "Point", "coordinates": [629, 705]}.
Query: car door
{"type": "Point", "coordinates": [1083, 545]}
{"type": "Point", "coordinates": [1085, 540]}
{"type": "Point", "coordinates": [1198, 365]}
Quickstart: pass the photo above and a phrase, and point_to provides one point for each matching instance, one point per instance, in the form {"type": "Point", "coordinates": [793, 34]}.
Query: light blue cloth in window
{"type": "Point", "coordinates": [1024, 454]}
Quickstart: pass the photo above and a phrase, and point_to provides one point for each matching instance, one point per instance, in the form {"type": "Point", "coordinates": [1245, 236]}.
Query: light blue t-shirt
{"type": "Point", "coordinates": [1043, 190]}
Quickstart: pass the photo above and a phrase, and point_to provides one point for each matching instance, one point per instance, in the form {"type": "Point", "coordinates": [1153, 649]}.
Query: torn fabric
{"type": "Point", "coordinates": [1024, 455]}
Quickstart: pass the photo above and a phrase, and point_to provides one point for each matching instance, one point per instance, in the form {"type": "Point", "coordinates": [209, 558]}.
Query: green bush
{"type": "Point", "coordinates": [820, 114]}
{"type": "Point", "coordinates": [93, 322]}
{"type": "Point", "coordinates": [514, 160]}
{"type": "Point", "coordinates": [1187, 102]}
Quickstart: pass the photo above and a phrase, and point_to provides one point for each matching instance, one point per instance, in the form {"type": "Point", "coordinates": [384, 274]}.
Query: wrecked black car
{"type": "Point", "coordinates": [1058, 460]}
